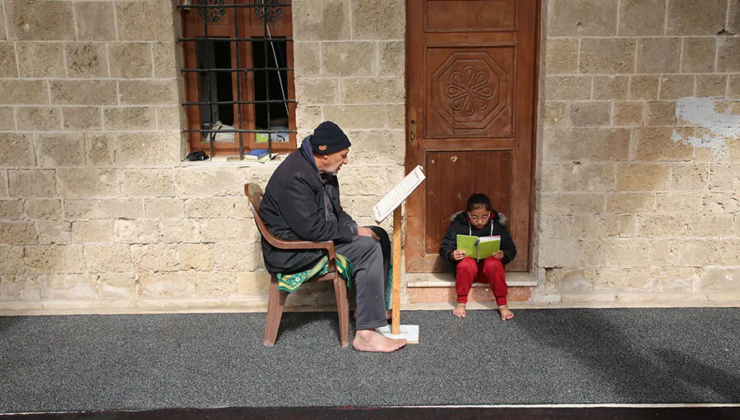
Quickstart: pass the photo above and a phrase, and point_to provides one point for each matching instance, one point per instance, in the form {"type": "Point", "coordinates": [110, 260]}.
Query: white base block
{"type": "Point", "coordinates": [409, 332]}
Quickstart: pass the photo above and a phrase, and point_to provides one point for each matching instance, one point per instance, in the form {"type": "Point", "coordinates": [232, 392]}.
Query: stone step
{"type": "Point", "coordinates": [448, 280]}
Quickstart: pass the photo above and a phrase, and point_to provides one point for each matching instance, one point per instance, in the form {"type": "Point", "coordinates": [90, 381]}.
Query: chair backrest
{"type": "Point", "coordinates": [254, 193]}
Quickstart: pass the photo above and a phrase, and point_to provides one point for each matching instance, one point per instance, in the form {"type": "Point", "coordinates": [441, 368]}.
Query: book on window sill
{"type": "Point", "coordinates": [263, 157]}
{"type": "Point", "coordinates": [398, 194]}
{"type": "Point", "coordinates": [479, 247]}
{"type": "Point", "coordinates": [255, 154]}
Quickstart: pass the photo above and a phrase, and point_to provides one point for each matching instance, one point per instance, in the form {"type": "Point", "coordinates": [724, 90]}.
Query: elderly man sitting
{"type": "Point", "coordinates": [301, 202]}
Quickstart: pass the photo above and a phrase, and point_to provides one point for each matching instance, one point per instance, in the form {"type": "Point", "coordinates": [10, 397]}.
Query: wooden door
{"type": "Point", "coordinates": [471, 86]}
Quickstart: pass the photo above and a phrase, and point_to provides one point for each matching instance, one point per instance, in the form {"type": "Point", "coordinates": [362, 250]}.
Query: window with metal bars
{"type": "Point", "coordinates": [238, 70]}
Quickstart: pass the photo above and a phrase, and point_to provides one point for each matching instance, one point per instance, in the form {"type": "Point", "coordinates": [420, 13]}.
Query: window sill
{"type": "Point", "coordinates": [234, 161]}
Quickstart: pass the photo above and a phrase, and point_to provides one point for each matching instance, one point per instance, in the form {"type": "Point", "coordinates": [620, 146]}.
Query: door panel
{"type": "Point", "coordinates": [470, 115]}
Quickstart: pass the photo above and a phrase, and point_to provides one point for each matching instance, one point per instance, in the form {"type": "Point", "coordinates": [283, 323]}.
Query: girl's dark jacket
{"type": "Point", "coordinates": [301, 204]}
{"type": "Point", "coordinates": [460, 225]}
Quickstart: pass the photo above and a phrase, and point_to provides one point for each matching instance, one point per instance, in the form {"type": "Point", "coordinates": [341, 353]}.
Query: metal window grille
{"type": "Point", "coordinates": [211, 13]}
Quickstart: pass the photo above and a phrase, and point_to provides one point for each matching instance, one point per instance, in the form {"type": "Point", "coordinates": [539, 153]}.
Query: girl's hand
{"type": "Point", "coordinates": [499, 255]}
{"type": "Point", "coordinates": [458, 254]}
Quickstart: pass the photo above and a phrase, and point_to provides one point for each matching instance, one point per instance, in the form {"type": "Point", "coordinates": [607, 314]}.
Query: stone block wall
{"type": "Point", "coordinates": [639, 156]}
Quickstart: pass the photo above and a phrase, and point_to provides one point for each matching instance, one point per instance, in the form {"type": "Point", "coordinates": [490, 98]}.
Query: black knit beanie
{"type": "Point", "coordinates": [328, 138]}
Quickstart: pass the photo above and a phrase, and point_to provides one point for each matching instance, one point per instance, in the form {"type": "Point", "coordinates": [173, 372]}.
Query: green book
{"type": "Point", "coordinates": [477, 247]}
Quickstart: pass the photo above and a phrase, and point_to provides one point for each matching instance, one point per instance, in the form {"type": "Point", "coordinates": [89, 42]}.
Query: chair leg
{"type": "Point", "coordinates": [340, 291]}
{"type": "Point", "coordinates": [274, 312]}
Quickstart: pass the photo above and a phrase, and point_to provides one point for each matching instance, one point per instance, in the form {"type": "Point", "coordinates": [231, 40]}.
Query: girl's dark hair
{"type": "Point", "coordinates": [477, 201]}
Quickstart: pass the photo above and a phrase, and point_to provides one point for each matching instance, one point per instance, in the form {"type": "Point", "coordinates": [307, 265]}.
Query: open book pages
{"type": "Point", "coordinates": [398, 194]}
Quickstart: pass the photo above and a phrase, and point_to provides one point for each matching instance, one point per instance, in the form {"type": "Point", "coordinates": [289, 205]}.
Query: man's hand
{"type": "Point", "coordinates": [366, 231]}
{"type": "Point", "coordinates": [499, 255]}
{"type": "Point", "coordinates": [458, 254]}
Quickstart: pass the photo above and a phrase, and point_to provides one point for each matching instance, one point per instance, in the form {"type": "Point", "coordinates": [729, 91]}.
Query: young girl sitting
{"type": "Point", "coordinates": [479, 220]}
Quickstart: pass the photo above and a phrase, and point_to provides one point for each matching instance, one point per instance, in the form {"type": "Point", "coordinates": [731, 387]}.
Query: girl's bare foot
{"type": "Point", "coordinates": [506, 314]}
{"type": "Point", "coordinates": [459, 310]}
{"type": "Point", "coordinates": [371, 340]}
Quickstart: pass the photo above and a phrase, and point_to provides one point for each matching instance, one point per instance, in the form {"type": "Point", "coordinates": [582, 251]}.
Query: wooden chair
{"type": "Point", "coordinates": [277, 298]}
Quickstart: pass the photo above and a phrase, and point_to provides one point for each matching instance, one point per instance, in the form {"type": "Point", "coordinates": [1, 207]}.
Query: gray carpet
{"type": "Point", "coordinates": [67, 363]}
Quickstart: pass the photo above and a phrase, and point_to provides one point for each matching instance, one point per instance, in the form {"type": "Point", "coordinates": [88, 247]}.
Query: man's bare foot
{"type": "Point", "coordinates": [371, 340]}
{"type": "Point", "coordinates": [459, 310]}
{"type": "Point", "coordinates": [506, 314]}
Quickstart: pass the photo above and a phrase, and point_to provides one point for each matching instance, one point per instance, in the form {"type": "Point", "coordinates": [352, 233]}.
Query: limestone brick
{"type": "Point", "coordinates": [392, 58]}
{"type": "Point", "coordinates": [734, 87]}
{"type": "Point", "coordinates": [687, 17]}
{"type": "Point", "coordinates": [581, 18]}
{"type": "Point", "coordinates": [83, 92]}
{"type": "Point", "coordinates": [641, 18]}
{"type": "Point", "coordinates": [11, 209]}
{"type": "Point", "coordinates": [240, 256]}
{"type": "Point", "coordinates": [43, 208]}
{"type": "Point", "coordinates": [690, 177]}
{"type": "Point", "coordinates": [57, 150]}
{"type": "Point", "coordinates": [555, 225]}
{"type": "Point", "coordinates": [101, 149]}
{"type": "Point", "coordinates": [564, 88]}
{"type": "Point", "coordinates": [117, 285]}
{"type": "Point", "coordinates": [307, 117]}
{"type": "Point", "coordinates": [698, 55]}
{"type": "Point", "coordinates": [719, 279]}
{"type": "Point", "coordinates": [644, 87]}
{"type": "Point", "coordinates": [626, 253]}
{"type": "Point", "coordinates": [130, 60]}
{"type": "Point", "coordinates": [365, 91]}
{"type": "Point", "coordinates": [594, 226]}
{"type": "Point", "coordinates": [207, 182]}
{"type": "Point", "coordinates": [660, 252]}
{"type": "Point", "coordinates": [696, 252]}
{"type": "Point", "coordinates": [357, 180]}
{"type": "Point", "coordinates": [169, 118]}
{"type": "Point", "coordinates": [656, 144]}
{"type": "Point", "coordinates": [378, 19]}
{"type": "Point", "coordinates": [215, 284]}
{"type": "Point", "coordinates": [148, 92]}
{"type": "Point", "coordinates": [149, 149]}
{"type": "Point", "coordinates": [728, 54]}
{"type": "Point", "coordinates": [661, 114]}
{"type": "Point", "coordinates": [86, 60]}
{"type": "Point", "coordinates": [3, 183]}
{"type": "Point", "coordinates": [11, 259]}
{"type": "Point", "coordinates": [7, 119]}
{"type": "Point", "coordinates": [92, 231]}
{"type": "Point", "coordinates": [138, 231]}
{"type": "Point", "coordinates": [39, 118]}
{"type": "Point", "coordinates": [622, 278]}
{"type": "Point", "coordinates": [375, 147]}
{"type": "Point", "coordinates": [607, 55]}
{"type": "Point", "coordinates": [397, 117]}
{"type": "Point", "coordinates": [54, 232]}
{"type": "Point", "coordinates": [627, 225]}
{"type": "Point", "coordinates": [148, 182]}
{"type": "Point", "coordinates": [348, 59]}
{"type": "Point", "coordinates": [164, 208]}
{"type": "Point", "coordinates": [198, 257]}
{"type": "Point", "coordinates": [674, 279]}
{"type": "Point", "coordinates": [561, 56]}
{"type": "Point", "coordinates": [40, 20]}
{"type": "Point", "coordinates": [588, 178]}
{"type": "Point", "coordinates": [8, 61]}
{"type": "Point", "coordinates": [713, 225]}
{"type": "Point", "coordinates": [31, 183]}
{"type": "Point", "coordinates": [69, 287]}
{"type": "Point", "coordinates": [81, 118]}
{"type": "Point", "coordinates": [590, 114]}
{"type": "Point", "coordinates": [155, 257]}
{"type": "Point", "coordinates": [724, 177]}
{"type": "Point", "coordinates": [628, 114]}
{"type": "Point", "coordinates": [23, 92]}
{"type": "Point", "coordinates": [644, 177]}
{"type": "Point", "coordinates": [165, 61]}
{"type": "Point", "coordinates": [721, 203]}
{"type": "Point", "coordinates": [144, 21]}
{"type": "Point", "coordinates": [95, 21]}
{"type": "Point", "coordinates": [662, 225]}
{"type": "Point", "coordinates": [43, 259]}
{"type": "Point", "coordinates": [21, 287]}
{"type": "Point", "coordinates": [108, 258]}
{"type": "Point", "coordinates": [129, 208]}
{"type": "Point", "coordinates": [611, 87]}
{"type": "Point", "coordinates": [307, 59]}
{"type": "Point", "coordinates": [224, 230]}
{"type": "Point", "coordinates": [683, 203]}
{"type": "Point", "coordinates": [180, 231]}
{"type": "Point", "coordinates": [571, 253]}
{"type": "Point", "coordinates": [212, 207]}
{"type": "Point", "coordinates": [630, 202]}
{"type": "Point", "coordinates": [2, 24]}
{"type": "Point", "coordinates": [586, 144]}
{"type": "Point", "coordinates": [16, 150]}
{"type": "Point", "coordinates": [321, 20]}
{"type": "Point", "coordinates": [89, 182]}
{"type": "Point", "coordinates": [658, 55]}
{"type": "Point", "coordinates": [172, 284]}
{"type": "Point", "coordinates": [130, 118]}
{"type": "Point", "coordinates": [711, 85]}
{"type": "Point", "coordinates": [317, 91]}
{"type": "Point", "coordinates": [733, 18]}
{"type": "Point", "coordinates": [253, 283]}
{"type": "Point", "coordinates": [356, 116]}
{"type": "Point", "coordinates": [676, 87]}
{"type": "Point", "coordinates": [554, 114]}
{"type": "Point", "coordinates": [572, 203]}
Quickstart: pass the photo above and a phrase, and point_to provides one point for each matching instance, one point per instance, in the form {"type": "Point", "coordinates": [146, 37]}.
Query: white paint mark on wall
{"type": "Point", "coordinates": [720, 126]}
